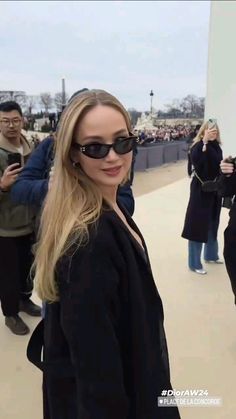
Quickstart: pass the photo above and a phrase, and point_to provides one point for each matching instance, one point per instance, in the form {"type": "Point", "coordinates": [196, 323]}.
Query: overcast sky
{"type": "Point", "coordinates": [127, 48]}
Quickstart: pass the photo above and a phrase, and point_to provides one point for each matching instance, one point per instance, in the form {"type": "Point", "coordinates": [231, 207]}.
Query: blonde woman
{"type": "Point", "coordinates": [105, 353]}
{"type": "Point", "coordinates": [203, 211]}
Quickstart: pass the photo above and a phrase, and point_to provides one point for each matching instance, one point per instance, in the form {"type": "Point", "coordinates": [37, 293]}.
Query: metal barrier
{"type": "Point", "coordinates": [154, 155]}
{"type": "Point", "coordinates": [141, 159]}
{"type": "Point", "coordinates": [170, 153]}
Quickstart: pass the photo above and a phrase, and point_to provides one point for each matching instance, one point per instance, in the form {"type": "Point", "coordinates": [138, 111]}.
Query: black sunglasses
{"type": "Point", "coordinates": [94, 150]}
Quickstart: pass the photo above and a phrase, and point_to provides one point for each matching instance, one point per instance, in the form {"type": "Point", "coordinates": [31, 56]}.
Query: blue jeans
{"type": "Point", "coordinates": [195, 250]}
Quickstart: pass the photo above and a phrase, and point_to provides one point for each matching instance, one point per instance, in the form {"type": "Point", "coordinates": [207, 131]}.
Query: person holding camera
{"type": "Point", "coordinates": [16, 224]}
{"type": "Point", "coordinates": [228, 183]}
{"type": "Point", "coordinates": [203, 211]}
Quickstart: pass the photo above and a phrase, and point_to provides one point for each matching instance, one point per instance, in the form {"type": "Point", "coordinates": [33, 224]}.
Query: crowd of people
{"type": "Point", "coordinates": [30, 122]}
{"type": "Point", "coordinates": [104, 347]}
{"type": "Point", "coordinates": [166, 134]}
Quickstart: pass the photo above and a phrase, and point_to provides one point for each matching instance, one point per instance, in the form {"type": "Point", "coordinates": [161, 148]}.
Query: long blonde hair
{"type": "Point", "coordinates": [74, 201]}
{"type": "Point", "coordinates": [201, 132]}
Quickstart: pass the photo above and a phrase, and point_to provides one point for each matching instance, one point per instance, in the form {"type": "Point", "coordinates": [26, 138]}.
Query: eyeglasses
{"type": "Point", "coordinates": [7, 122]}
{"type": "Point", "coordinates": [99, 151]}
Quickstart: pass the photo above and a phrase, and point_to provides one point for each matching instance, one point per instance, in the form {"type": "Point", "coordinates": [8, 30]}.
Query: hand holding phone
{"type": "Point", "coordinates": [228, 165]}
{"type": "Point", "coordinates": [212, 124]}
{"type": "Point", "coordinates": [15, 158]}
{"type": "Point", "coordinates": [9, 176]}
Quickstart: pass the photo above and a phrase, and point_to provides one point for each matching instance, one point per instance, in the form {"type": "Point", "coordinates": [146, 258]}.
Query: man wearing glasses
{"type": "Point", "coordinates": [16, 224]}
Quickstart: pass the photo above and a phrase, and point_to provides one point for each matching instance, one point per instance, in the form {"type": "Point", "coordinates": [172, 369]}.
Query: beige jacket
{"type": "Point", "coordinates": [15, 220]}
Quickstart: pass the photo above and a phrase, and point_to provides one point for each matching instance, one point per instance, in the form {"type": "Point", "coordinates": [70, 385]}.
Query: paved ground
{"type": "Point", "coordinates": [153, 179]}
{"type": "Point", "coordinates": [199, 310]}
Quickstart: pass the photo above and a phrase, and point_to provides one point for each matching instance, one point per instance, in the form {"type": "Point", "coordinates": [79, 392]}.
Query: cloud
{"type": "Point", "coordinates": [125, 47]}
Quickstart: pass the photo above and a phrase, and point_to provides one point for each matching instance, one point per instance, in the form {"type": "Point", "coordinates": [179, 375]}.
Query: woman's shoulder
{"type": "Point", "coordinates": [105, 232]}
{"type": "Point", "coordinates": [111, 224]}
{"type": "Point", "coordinates": [100, 249]}
{"type": "Point", "coordinates": [196, 145]}
{"type": "Point", "coordinates": [101, 238]}
{"type": "Point", "coordinates": [107, 238]}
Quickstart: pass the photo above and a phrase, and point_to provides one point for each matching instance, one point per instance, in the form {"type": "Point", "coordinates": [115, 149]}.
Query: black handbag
{"type": "Point", "coordinates": [208, 185]}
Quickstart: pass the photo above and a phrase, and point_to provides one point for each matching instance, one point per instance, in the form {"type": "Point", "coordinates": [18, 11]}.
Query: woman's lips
{"type": "Point", "coordinates": [112, 171]}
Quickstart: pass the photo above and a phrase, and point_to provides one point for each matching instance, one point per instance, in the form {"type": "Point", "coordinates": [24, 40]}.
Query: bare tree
{"type": "Point", "coordinates": [193, 106]}
{"type": "Point", "coordinates": [174, 109]}
{"type": "Point", "coordinates": [189, 105]}
{"type": "Point", "coordinates": [58, 100]}
{"type": "Point", "coordinates": [46, 100]}
{"type": "Point", "coordinates": [30, 103]}
{"type": "Point", "coordinates": [3, 97]}
{"type": "Point", "coordinates": [16, 95]}
{"type": "Point", "coordinates": [201, 106]}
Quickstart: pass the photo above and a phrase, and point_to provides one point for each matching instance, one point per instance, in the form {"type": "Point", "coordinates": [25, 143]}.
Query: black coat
{"type": "Point", "coordinates": [229, 190]}
{"type": "Point", "coordinates": [106, 333]}
{"type": "Point", "coordinates": [203, 207]}
{"type": "Point", "coordinates": [228, 187]}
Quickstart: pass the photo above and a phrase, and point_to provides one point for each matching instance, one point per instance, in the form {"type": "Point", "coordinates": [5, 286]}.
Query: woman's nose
{"type": "Point", "coordinates": [112, 155]}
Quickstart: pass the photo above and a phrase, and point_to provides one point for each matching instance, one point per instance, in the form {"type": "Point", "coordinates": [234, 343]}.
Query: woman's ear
{"type": "Point", "coordinates": [73, 155]}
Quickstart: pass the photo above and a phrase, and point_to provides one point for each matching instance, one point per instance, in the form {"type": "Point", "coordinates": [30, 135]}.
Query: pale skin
{"type": "Point", "coordinates": [210, 135]}
{"type": "Point", "coordinates": [106, 124]}
{"type": "Point", "coordinates": [115, 207]}
{"type": "Point", "coordinates": [226, 168]}
{"type": "Point", "coordinates": [9, 176]}
{"type": "Point", "coordinates": [121, 215]}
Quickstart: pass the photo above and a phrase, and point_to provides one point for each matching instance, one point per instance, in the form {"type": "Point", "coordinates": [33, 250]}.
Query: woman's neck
{"type": "Point", "coordinates": [109, 194]}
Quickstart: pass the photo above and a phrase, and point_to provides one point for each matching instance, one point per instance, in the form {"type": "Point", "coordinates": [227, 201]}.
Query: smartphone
{"type": "Point", "coordinates": [212, 123]}
{"type": "Point", "coordinates": [15, 158]}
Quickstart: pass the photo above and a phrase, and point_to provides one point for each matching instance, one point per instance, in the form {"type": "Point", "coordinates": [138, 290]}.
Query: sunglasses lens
{"type": "Point", "coordinates": [124, 146]}
{"type": "Point", "coordinates": [96, 151]}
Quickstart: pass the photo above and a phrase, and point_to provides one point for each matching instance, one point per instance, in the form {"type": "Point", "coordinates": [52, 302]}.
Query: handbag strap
{"type": "Point", "coordinates": [35, 348]}
{"type": "Point", "coordinates": [200, 180]}
{"type": "Point", "coordinates": [198, 177]}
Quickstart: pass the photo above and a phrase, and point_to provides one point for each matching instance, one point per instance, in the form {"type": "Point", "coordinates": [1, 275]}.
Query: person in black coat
{"type": "Point", "coordinates": [228, 182]}
{"type": "Point", "coordinates": [105, 351]}
{"type": "Point", "coordinates": [203, 211]}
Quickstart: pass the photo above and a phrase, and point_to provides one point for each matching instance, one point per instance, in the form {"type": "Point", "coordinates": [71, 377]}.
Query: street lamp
{"type": "Point", "coordinates": [151, 96]}
{"type": "Point", "coordinates": [63, 96]}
